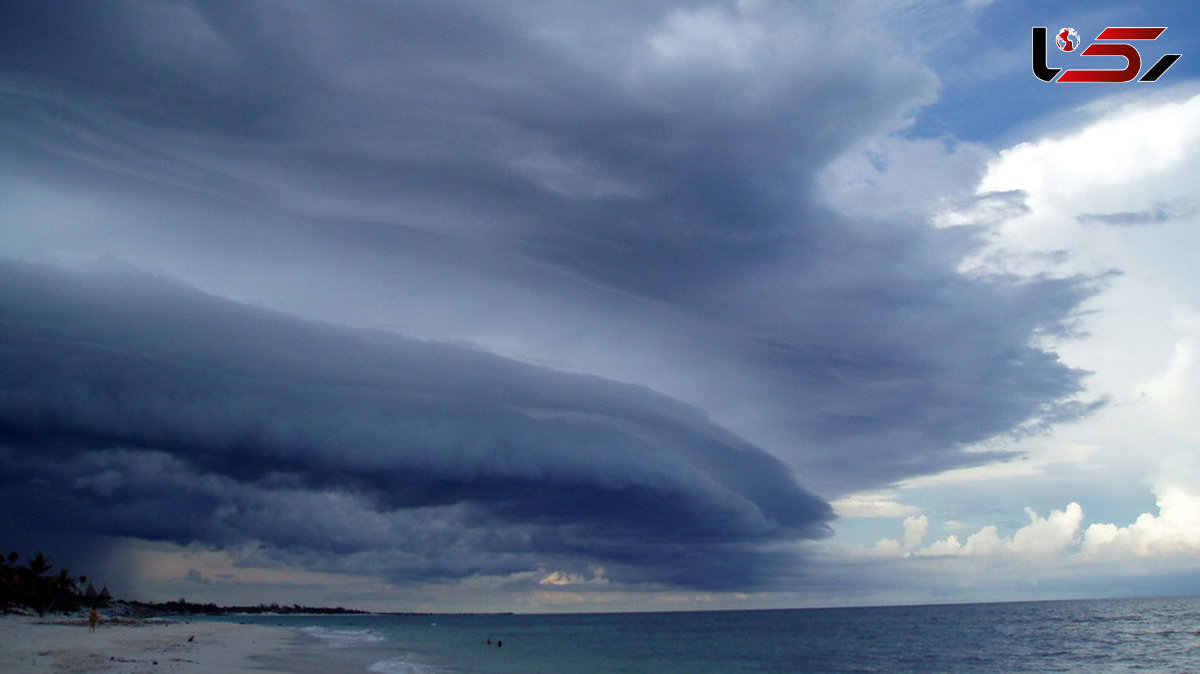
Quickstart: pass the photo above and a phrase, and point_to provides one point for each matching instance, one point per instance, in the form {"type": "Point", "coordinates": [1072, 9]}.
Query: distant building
{"type": "Point", "coordinates": [93, 597]}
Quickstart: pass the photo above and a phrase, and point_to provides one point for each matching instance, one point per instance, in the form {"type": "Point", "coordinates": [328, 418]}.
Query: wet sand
{"type": "Point", "coordinates": [30, 645]}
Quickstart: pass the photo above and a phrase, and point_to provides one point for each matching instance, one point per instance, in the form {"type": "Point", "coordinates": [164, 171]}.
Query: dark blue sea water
{"type": "Point", "coordinates": [1125, 635]}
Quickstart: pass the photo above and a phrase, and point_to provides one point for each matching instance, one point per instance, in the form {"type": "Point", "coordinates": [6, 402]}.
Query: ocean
{"type": "Point", "coordinates": [1123, 635]}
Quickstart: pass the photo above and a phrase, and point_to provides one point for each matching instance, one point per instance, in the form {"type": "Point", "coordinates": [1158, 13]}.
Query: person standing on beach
{"type": "Point", "coordinates": [93, 618]}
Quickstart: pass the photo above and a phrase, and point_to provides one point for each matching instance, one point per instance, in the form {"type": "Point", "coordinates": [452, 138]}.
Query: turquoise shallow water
{"type": "Point", "coordinates": [1160, 634]}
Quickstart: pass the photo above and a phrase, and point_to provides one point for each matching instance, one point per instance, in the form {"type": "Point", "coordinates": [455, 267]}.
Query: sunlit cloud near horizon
{"type": "Point", "coordinates": [542, 307]}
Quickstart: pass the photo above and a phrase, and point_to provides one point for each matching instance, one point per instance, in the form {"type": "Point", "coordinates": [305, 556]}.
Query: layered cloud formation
{"type": "Point", "coordinates": [133, 408]}
{"type": "Point", "coordinates": [364, 246]}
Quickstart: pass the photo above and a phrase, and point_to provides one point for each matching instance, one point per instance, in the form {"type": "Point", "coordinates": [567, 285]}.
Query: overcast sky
{"type": "Point", "coordinates": [574, 306]}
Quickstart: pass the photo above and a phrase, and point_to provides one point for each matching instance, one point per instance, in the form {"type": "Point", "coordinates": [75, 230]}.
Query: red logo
{"type": "Point", "coordinates": [1112, 41]}
{"type": "Point", "coordinates": [1067, 39]}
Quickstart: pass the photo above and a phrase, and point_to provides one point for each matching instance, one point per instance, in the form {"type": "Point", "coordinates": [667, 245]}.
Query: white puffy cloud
{"type": "Point", "coordinates": [1111, 198]}
{"type": "Point", "coordinates": [1059, 555]}
{"type": "Point", "coordinates": [1060, 546]}
{"type": "Point", "coordinates": [1042, 538]}
{"type": "Point", "coordinates": [1174, 531]}
{"type": "Point", "coordinates": [1084, 195]}
{"type": "Point", "coordinates": [914, 530]}
{"type": "Point", "coordinates": [1113, 194]}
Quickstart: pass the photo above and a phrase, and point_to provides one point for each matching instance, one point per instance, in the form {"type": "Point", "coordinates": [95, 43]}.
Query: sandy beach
{"type": "Point", "coordinates": [29, 645]}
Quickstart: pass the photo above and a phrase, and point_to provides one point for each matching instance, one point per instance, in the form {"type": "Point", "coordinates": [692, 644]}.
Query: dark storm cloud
{"type": "Point", "coordinates": [1159, 214]}
{"type": "Point", "coordinates": [623, 189]}
{"type": "Point", "coordinates": [131, 407]}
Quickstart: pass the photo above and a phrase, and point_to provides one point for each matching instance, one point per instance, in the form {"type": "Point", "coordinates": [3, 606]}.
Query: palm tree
{"type": "Point", "coordinates": [8, 580]}
{"type": "Point", "coordinates": [66, 594]}
{"type": "Point", "coordinates": [30, 585]}
{"type": "Point", "coordinates": [36, 588]}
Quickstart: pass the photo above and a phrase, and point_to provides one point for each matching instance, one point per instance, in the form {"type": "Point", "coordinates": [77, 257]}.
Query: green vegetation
{"type": "Point", "coordinates": [184, 607]}
{"type": "Point", "coordinates": [33, 586]}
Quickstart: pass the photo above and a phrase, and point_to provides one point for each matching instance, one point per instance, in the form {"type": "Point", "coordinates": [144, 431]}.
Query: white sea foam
{"type": "Point", "coordinates": [343, 638]}
{"type": "Point", "coordinates": [400, 667]}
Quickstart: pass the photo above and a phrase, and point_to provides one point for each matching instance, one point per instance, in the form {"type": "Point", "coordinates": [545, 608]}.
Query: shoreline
{"type": "Point", "coordinates": [31, 645]}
